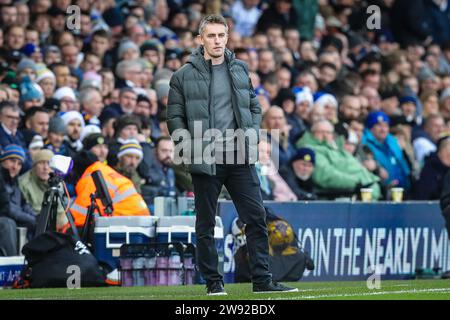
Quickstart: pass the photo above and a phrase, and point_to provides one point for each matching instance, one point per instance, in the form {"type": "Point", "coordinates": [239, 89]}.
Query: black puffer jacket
{"type": "Point", "coordinates": [189, 102]}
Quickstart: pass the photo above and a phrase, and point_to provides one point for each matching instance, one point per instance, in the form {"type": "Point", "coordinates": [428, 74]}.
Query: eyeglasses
{"type": "Point", "coordinates": [10, 117]}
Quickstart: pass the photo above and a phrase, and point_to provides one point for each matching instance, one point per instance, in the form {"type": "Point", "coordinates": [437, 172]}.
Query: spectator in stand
{"type": "Point", "coordinates": [161, 181]}
{"type": "Point", "coordinates": [387, 151]}
{"type": "Point", "coordinates": [298, 174]}
{"type": "Point", "coordinates": [21, 212]}
{"type": "Point", "coordinates": [274, 121]}
{"type": "Point", "coordinates": [336, 172]}
{"type": "Point", "coordinates": [429, 186]}
{"type": "Point", "coordinates": [129, 157]}
{"type": "Point", "coordinates": [426, 142]}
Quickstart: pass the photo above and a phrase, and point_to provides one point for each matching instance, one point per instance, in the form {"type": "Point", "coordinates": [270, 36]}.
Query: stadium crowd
{"type": "Point", "coordinates": [356, 106]}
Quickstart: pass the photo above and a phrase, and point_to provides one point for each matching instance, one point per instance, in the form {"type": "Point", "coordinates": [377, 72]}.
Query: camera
{"type": "Point", "coordinates": [61, 165]}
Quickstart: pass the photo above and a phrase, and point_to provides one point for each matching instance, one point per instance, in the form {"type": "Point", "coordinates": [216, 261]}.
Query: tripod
{"type": "Point", "coordinates": [48, 215]}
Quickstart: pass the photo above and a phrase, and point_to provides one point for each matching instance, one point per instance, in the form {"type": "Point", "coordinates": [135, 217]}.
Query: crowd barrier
{"type": "Point", "coordinates": [355, 240]}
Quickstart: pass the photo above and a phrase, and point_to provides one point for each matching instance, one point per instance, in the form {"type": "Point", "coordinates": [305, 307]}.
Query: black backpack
{"type": "Point", "coordinates": [51, 257]}
{"type": "Point", "coordinates": [288, 264]}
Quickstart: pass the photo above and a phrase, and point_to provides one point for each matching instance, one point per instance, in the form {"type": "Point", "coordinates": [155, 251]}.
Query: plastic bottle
{"type": "Point", "coordinates": [150, 268]}
{"type": "Point", "coordinates": [162, 263]}
{"type": "Point", "coordinates": [138, 271]}
{"type": "Point", "coordinates": [189, 269]}
{"type": "Point", "coordinates": [126, 265]}
{"type": "Point", "coordinates": [174, 269]}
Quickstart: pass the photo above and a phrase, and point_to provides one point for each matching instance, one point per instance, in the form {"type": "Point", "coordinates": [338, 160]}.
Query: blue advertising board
{"type": "Point", "coordinates": [353, 240]}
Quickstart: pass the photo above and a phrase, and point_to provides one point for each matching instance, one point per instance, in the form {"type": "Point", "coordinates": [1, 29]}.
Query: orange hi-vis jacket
{"type": "Point", "coordinates": [126, 200]}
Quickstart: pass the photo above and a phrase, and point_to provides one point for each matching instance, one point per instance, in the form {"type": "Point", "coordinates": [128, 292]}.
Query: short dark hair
{"type": "Point", "coordinates": [161, 138]}
{"type": "Point", "coordinates": [213, 18]}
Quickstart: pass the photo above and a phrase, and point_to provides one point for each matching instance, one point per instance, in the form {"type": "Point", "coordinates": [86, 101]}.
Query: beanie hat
{"type": "Point", "coordinates": [323, 99]}
{"type": "Point", "coordinates": [305, 154]}
{"type": "Point", "coordinates": [26, 63]}
{"type": "Point", "coordinates": [36, 142]}
{"type": "Point", "coordinates": [376, 117]}
{"type": "Point", "coordinates": [30, 91]}
{"type": "Point", "coordinates": [149, 46]}
{"type": "Point", "coordinates": [126, 45]}
{"type": "Point", "coordinates": [52, 104]}
{"type": "Point", "coordinates": [13, 151]}
{"type": "Point", "coordinates": [303, 94]}
{"type": "Point", "coordinates": [93, 140]}
{"type": "Point", "coordinates": [45, 73]}
{"type": "Point", "coordinates": [64, 92]}
{"type": "Point", "coordinates": [408, 99]}
{"type": "Point", "coordinates": [126, 120]}
{"type": "Point", "coordinates": [88, 130]}
{"type": "Point", "coordinates": [69, 116]}
{"type": "Point", "coordinates": [56, 125]}
{"type": "Point", "coordinates": [43, 155]}
{"type": "Point", "coordinates": [131, 146]}
{"type": "Point", "coordinates": [29, 49]}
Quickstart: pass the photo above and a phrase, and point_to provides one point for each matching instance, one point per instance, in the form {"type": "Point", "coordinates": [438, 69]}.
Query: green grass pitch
{"type": "Point", "coordinates": [390, 290]}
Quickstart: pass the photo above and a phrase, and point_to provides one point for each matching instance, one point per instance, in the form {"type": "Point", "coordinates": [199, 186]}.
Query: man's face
{"type": "Point", "coordinates": [380, 131]}
{"type": "Point", "coordinates": [99, 45]}
{"type": "Point", "coordinates": [55, 139]}
{"type": "Point", "coordinates": [74, 129]}
{"type": "Point", "coordinates": [13, 166]}
{"type": "Point", "coordinates": [152, 56]}
{"type": "Point", "coordinates": [143, 108]}
{"type": "Point", "coordinates": [69, 55]}
{"type": "Point", "coordinates": [129, 162]}
{"type": "Point", "coordinates": [128, 132]}
{"type": "Point", "coordinates": [408, 108]}
{"type": "Point", "coordinates": [10, 119]}
{"type": "Point", "coordinates": [92, 63]}
{"type": "Point", "coordinates": [323, 132]}
{"type": "Point", "coordinates": [128, 101]}
{"type": "Point", "coordinates": [303, 169]}
{"type": "Point", "coordinates": [165, 152]}
{"type": "Point", "coordinates": [266, 62]}
{"type": "Point", "coordinates": [276, 119]}
{"type": "Point", "coordinates": [9, 15]}
{"type": "Point", "coordinates": [39, 123]}
{"type": "Point", "coordinates": [42, 170]}
{"type": "Point", "coordinates": [435, 128]}
{"type": "Point", "coordinates": [95, 105]}
{"type": "Point", "coordinates": [214, 40]}
{"type": "Point", "coordinates": [351, 108]}
{"type": "Point", "coordinates": [16, 38]}
{"type": "Point", "coordinates": [101, 151]}
{"type": "Point", "coordinates": [62, 74]}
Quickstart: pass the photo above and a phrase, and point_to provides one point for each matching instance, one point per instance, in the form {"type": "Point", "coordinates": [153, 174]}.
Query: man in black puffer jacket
{"type": "Point", "coordinates": [213, 91]}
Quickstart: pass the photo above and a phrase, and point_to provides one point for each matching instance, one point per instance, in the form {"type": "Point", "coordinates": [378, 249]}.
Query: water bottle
{"type": "Point", "coordinates": [150, 268]}
{"type": "Point", "coordinates": [189, 269]}
{"type": "Point", "coordinates": [162, 263]}
{"type": "Point", "coordinates": [126, 264]}
{"type": "Point", "coordinates": [174, 269]}
{"type": "Point", "coordinates": [138, 271]}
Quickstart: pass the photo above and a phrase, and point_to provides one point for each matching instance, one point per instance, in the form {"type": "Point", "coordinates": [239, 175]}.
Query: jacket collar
{"type": "Point", "coordinates": [197, 59]}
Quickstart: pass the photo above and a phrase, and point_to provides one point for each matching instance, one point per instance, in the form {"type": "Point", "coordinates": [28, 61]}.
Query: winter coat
{"type": "Point", "coordinates": [190, 97]}
{"type": "Point", "coordinates": [336, 170]}
{"type": "Point", "coordinates": [390, 156]}
{"type": "Point", "coordinates": [429, 186]}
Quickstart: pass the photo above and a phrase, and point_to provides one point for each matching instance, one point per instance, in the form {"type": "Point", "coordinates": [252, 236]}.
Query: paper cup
{"type": "Point", "coordinates": [366, 194]}
{"type": "Point", "coordinates": [397, 194]}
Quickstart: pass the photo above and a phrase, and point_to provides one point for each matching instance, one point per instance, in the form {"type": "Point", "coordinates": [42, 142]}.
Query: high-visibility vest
{"type": "Point", "coordinates": [126, 200]}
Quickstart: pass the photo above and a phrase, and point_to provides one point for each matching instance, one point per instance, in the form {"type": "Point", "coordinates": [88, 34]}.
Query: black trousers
{"type": "Point", "coordinates": [242, 183]}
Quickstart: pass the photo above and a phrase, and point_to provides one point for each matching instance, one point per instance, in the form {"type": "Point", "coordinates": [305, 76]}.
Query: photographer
{"type": "Point", "coordinates": [34, 183]}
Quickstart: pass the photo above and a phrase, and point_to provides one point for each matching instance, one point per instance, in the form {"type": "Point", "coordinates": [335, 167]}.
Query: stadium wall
{"type": "Point", "coordinates": [352, 241]}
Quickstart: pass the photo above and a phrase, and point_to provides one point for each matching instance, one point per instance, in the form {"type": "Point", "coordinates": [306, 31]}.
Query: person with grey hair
{"type": "Point", "coordinates": [92, 105]}
{"type": "Point", "coordinates": [214, 87]}
{"type": "Point", "coordinates": [129, 73]}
